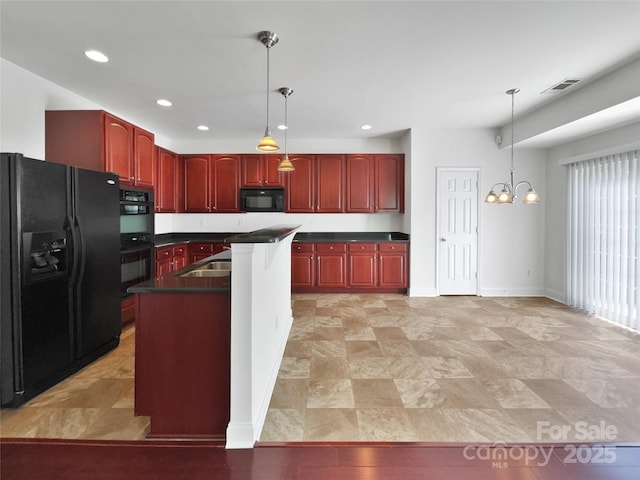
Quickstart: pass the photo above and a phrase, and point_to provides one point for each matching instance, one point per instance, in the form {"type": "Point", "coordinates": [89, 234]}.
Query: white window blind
{"type": "Point", "coordinates": [603, 240]}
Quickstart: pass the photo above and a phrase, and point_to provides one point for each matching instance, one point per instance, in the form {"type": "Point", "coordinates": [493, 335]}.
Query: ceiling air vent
{"type": "Point", "coordinates": [562, 86]}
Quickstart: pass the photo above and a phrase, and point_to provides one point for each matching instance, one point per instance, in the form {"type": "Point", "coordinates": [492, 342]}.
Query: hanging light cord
{"type": "Point", "coordinates": [268, 49]}
{"type": "Point", "coordinates": [512, 129]}
{"type": "Point", "coordinates": [286, 123]}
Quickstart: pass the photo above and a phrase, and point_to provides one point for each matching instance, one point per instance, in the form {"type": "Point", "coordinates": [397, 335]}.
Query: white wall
{"type": "Point", "coordinates": [24, 98]}
{"type": "Point", "coordinates": [261, 318]}
{"type": "Point", "coordinates": [511, 236]}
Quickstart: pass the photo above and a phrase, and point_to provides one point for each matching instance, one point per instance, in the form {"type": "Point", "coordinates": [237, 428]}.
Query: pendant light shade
{"type": "Point", "coordinates": [268, 144]}
{"type": "Point", "coordinates": [509, 190]}
{"type": "Point", "coordinates": [285, 164]}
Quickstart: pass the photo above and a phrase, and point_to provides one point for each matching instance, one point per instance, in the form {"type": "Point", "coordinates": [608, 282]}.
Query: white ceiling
{"type": "Point", "coordinates": [391, 64]}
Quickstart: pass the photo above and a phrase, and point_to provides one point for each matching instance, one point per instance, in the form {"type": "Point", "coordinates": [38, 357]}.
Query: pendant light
{"type": "Point", "coordinates": [285, 164]}
{"type": "Point", "coordinates": [268, 144]}
{"type": "Point", "coordinates": [509, 189]}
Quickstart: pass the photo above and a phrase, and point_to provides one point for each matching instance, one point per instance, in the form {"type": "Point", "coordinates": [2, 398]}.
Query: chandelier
{"type": "Point", "coordinates": [509, 190]}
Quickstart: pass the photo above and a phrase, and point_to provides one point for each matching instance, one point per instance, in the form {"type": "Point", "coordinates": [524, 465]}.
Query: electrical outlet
{"type": "Point", "coordinates": [203, 222]}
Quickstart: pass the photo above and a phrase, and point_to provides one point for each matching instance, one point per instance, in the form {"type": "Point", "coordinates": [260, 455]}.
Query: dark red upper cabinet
{"type": "Point", "coordinates": [97, 140]}
{"type": "Point", "coordinates": [225, 183]}
{"type": "Point", "coordinates": [166, 181]}
{"type": "Point", "coordinates": [118, 148]}
{"type": "Point", "coordinates": [196, 183]}
{"type": "Point", "coordinates": [360, 184]}
{"type": "Point", "coordinates": [389, 183]}
{"type": "Point", "coordinates": [300, 185]}
{"type": "Point", "coordinates": [331, 183]}
{"type": "Point", "coordinates": [261, 171]}
{"type": "Point", "coordinates": [144, 164]}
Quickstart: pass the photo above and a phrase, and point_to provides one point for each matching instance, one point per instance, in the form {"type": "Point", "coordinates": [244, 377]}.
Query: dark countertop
{"type": "Point", "coordinates": [315, 237]}
{"type": "Point", "coordinates": [173, 282]}
{"type": "Point", "coordinates": [273, 234]}
{"type": "Point", "coordinates": [167, 239]}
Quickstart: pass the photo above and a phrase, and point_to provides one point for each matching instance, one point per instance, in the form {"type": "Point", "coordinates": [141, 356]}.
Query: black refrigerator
{"type": "Point", "coordinates": [59, 272]}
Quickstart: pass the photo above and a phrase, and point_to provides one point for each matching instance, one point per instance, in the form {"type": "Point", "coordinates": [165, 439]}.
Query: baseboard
{"type": "Point", "coordinates": [513, 292]}
{"type": "Point", "coordinates": [555, 295]}
{"type": "Point", "coordinates": [422, 292]}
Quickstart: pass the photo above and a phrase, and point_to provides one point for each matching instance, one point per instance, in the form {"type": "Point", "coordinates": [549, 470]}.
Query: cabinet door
{"type": "Point", "coordinates": [331, 270]}
{"type": "Point", "coordinates": [128, 310]}
{"type": "Point", "coordinates": [166, 183]}
{"type": "Point", "coordinates": [198, 251]}
{"type": "Point", "coordinates": [271, 176]}
{"type": "Point", "coordinates": [196, 183]}
{"type": "Point", "coordinates": [300, 185]}
{"type": "Point", "coordinates": [389, 183]}
{"type": "Point", "coordinates": [302, 265]}
{"type": "Point", "coordinates": [261, 171]}
{"type": "Point", "coordinates": [179, 256]}
{"type": "Point", "coordinates": [118, 136]}
{"type": "Point", "coordinates": [163, 260]}
{"type": "Point", "coordinates": [392, 265]}
{"type": "Point", "coordinates": [144, 158]}
{"type": "Point", "coordinates": [363, 265]}
{"type": "Point", "coordinates": [251, 170]}
{"type": "Point", "coordinates": [330, 183]}
{"type": "Point", "coordinates": [225, 175]}
{"type": "Point", "coordinates": [360, 183]}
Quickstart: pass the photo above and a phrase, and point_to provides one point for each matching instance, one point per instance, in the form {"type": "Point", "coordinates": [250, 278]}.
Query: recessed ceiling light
{"type": "Point", "coordinates": [96, 56]}
{"type": "Point", "coordinates": [366, 127]}
{"type": "Point", "coordinates": [203, 127]}
{"type": "Point", "coordinates": [282, 127]}
{"type": "Point", "coordinates": [164, 102]}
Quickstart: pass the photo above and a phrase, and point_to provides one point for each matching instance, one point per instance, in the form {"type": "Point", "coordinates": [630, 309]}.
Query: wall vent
{"type": "Point", "coordinates": [562, 86]}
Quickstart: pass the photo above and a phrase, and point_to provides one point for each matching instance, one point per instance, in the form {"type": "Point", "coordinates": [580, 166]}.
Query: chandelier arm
{"type": "Point", "coordinates": [523, 182]}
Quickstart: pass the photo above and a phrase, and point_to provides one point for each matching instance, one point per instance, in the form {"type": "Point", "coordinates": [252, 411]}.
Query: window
{"type": "Point", "coordinates": [604, 242]}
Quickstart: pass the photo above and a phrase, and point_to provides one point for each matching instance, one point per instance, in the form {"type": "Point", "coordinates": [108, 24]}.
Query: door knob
{"type": "Point", "coordinates": [443, 239]}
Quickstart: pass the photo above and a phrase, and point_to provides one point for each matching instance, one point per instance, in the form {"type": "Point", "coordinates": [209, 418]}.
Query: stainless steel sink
{"type": "Point", "coordinates": [207, 273]}
{"type": "Point", "coordinates": [216, 265]}
{"type": "Point", "coordinates": [218, 268]}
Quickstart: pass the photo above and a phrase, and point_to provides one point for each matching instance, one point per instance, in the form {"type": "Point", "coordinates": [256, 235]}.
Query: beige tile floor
{"type": "Point", "coordinates": [95, 403]}
{"type": "Point", "coordinates": [393, 368]}
{"type": "Point", "coordinates": [453, 369]}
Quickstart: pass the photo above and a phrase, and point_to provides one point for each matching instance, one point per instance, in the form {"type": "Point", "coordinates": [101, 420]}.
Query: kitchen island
{"type": "Point", "coordinates": [209, 341]}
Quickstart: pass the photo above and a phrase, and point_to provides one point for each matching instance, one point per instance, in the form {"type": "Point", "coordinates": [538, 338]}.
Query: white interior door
{"type": "Point", "coordinates": [458, 231]}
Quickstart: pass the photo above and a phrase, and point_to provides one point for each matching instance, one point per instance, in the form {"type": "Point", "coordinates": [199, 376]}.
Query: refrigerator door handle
{"type": "Point", "coordinates": [74, 233]}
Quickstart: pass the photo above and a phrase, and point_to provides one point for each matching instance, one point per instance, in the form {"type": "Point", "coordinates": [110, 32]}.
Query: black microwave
{"type": "Point", "coordinates": [262, 199]}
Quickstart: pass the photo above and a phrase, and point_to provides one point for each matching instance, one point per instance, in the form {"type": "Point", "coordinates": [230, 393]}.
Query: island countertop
{"type": "Point", "coordinates": [175, 282]}
{"type": "Point", "coordinates": [265, 235]}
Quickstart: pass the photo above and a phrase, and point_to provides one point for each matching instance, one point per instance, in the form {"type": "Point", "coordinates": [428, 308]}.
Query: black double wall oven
{"type": "Point", "coordinates": [136, 237]}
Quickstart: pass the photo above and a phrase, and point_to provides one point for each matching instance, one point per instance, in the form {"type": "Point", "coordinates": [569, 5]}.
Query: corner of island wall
{"type": "Point", "coordinates": [261, 318]}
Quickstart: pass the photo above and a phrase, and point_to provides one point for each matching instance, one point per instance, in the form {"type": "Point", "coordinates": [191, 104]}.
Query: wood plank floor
{"type": "Point", "coordinates": [29, 459]}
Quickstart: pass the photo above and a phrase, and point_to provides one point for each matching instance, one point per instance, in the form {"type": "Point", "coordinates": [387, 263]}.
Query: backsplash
{"type": "Point", "coordinates": [247, 222]}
